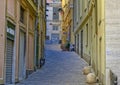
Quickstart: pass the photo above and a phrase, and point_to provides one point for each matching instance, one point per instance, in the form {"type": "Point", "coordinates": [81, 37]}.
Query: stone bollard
{"type": "Point", "coordinates": [87, 70]}
{"type": "Point", "coordinates": [91, 78]}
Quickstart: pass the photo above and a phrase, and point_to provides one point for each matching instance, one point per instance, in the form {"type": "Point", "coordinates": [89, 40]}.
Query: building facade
{"type": "Point", "coordinates": [53, 21]}
{"type": "Point", "coordinates": [67, 34]}
{"type": "Point", "coordinates": [40, 33]}
{"type": "Point", "coordinates": [18, 40]}
{"type": "Point", "coordinates": [89, 32]}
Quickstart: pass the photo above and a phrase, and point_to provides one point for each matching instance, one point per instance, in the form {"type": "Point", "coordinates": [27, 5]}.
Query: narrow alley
{"type": "Point", "coordinates": [61, 68]}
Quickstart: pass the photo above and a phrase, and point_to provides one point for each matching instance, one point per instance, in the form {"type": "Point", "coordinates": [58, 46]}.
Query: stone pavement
{"type": "Point", "coordinates": [61, 68]}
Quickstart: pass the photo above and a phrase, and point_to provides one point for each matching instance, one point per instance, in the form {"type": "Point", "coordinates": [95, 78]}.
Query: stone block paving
{"type": "Point", "coordinates": [61, 68]}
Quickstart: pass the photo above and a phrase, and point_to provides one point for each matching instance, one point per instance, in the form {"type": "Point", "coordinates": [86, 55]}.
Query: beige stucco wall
{"type": "Point", "coordinates": [30, 61]}
{"type": "Point", "coordinates": [2, 37]}
{"type": "Point", "coordinates": [17, 6]}
{"type": "Point", "coordinates": [12, 11]}
{"type": "Point", "coordinates": [11, 7]}
{"type": "Point", "coordinates": [67, 24]}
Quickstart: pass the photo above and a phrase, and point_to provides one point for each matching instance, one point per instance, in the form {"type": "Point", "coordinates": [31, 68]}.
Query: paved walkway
{"type": "Point", "coordinates": [61, 68]}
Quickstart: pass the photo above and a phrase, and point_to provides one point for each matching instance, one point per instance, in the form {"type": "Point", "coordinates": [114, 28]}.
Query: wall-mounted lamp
{"type": "Point", "coordinates": [60, 9]}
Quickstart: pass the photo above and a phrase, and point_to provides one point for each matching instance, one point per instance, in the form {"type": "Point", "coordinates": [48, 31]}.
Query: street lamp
{"type": "Point", "coordinates": [61, 10]}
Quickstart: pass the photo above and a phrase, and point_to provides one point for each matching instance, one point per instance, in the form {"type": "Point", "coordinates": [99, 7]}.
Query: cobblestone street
{"type": "Point", "coordinates": [61, 68]}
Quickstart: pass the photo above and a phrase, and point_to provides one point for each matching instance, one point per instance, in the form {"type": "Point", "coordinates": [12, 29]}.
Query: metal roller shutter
{"type": "Point", "coordinates": [55, 38]}
{"type": "Point", "coordinates": [9, 60]}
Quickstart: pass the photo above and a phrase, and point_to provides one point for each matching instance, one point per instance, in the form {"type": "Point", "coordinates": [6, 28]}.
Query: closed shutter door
{"type": "Point", "coordinates": [31, 53]}
{"type": "Point", "coordinates": [9, 58]}
{"type": "Point", "coordinates": [55, 38]}
{"type": "Point", "coordinates": [22, 56]}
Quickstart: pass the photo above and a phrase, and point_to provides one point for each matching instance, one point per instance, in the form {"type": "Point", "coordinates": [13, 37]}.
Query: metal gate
{"type": "Point", "coordinates": [9, 60]}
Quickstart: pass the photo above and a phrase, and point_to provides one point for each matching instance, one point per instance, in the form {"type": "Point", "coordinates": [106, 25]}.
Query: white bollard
{"type": "Point", "coordinates": [87, 70]}
{"type": "Point", "coordinates": [91, 78]}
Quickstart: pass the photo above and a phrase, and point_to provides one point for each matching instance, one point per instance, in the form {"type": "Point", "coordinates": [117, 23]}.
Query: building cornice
{"type": "Point", "coordinates": [32, 5]}
{"type": "Point", "coordinates": [10, 18]}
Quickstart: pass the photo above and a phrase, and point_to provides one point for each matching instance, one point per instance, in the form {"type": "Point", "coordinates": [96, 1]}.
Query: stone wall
{"type": "Point", "coordinates": [112, 14]}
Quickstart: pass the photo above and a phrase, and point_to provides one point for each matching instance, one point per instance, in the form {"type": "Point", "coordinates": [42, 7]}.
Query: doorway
{"type": "Point", "coordinates": [82, 44]}
{"type": "Point", "coordinates": [78, 43]}
{"type": "Point", "coordinates": [22, 48]}
{"type": "Point", "coordinates": [9, 60]}
{"type": "Point", "coordinates": [10, 54]}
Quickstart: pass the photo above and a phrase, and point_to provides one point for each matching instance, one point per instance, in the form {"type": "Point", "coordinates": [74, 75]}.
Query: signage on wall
{"type": "Point", "coordinates": [10, 31]}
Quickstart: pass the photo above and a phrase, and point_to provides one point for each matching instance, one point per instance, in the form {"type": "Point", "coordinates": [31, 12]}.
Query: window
{"type": "Point", "coordinates": [55, 28]}
{"type": "Point", "coordinates": [55, 13]}
{"type": "Point", "coordinates": [22, 11]}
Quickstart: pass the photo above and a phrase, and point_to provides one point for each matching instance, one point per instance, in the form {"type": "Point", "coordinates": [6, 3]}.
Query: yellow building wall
{"type": "Point", "coordinates": [41, 29]}
{"type": "Point", "coordinates": [93, 36]}
{"type": "Point", "coordinates": [101, 39]}
{"type": "Point", "coordinates": [67, 24]}
{"type": "Point", "coordinates": [72, 38]}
